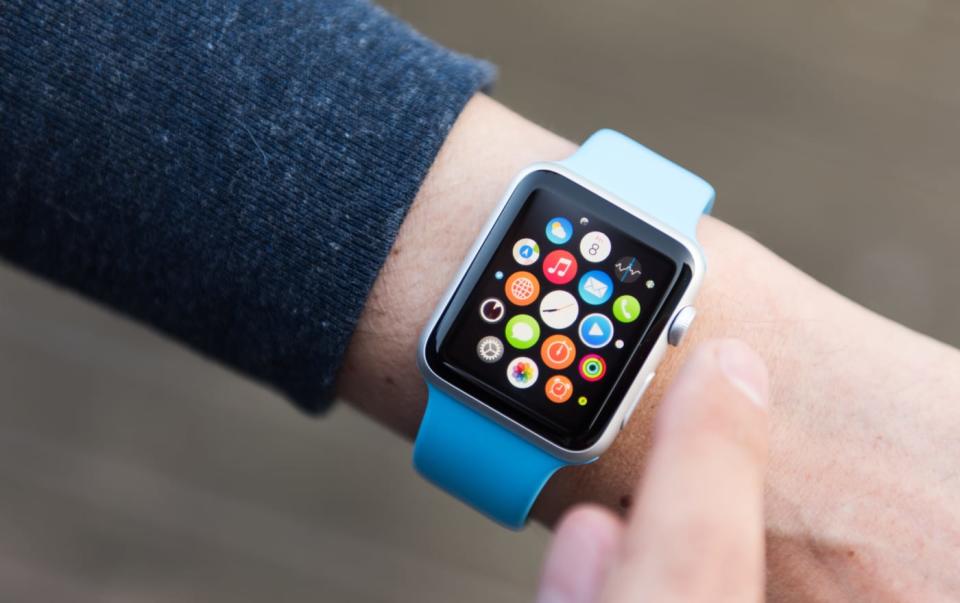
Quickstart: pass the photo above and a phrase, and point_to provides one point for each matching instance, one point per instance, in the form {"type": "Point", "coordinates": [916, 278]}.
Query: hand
{"type": "Point", "coordinates": [696, 533]}
{"type": "Point", "coordinates": [862, 482]}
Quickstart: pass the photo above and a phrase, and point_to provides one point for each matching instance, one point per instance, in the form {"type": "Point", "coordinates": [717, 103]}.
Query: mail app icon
{"type": "Point", "coordinates": [595, 287]}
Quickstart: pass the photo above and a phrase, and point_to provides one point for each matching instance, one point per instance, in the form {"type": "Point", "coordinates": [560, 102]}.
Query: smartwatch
{"type": "Point", "coordinates": [546, 340]}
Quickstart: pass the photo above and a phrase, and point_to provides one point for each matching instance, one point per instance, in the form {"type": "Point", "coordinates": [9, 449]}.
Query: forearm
{"type": "Point", "coordinates": [230, 173]}
{"type": "Point", "coordinates": [857, 401]}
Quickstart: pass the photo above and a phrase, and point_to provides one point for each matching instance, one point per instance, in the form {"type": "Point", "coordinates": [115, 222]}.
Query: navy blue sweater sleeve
{"type": "Point", "coordinates": [232, 173]}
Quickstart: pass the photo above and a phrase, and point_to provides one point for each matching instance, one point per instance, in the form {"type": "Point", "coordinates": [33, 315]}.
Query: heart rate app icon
{"type": "Point", "coordinates": [558, 389]}
{"type": "Point", "coordinates": [558, 352]}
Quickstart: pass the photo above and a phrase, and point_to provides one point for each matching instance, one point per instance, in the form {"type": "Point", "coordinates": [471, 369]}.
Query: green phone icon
{"type": "Point", "coordinates": [626, 308]}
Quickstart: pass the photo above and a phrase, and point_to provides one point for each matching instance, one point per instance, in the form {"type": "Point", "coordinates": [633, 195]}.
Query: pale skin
{"type": "Point", "coordinates": [700, 499]}
{"type": "Point", "coordinates": [862, 483]}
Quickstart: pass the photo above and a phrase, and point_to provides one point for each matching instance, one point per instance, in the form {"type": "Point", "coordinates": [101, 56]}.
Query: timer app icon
{"type": "Point", "coordinates": [558, 352]}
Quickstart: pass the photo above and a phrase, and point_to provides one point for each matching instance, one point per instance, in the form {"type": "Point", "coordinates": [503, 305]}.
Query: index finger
{"type": "Point", "coordinates": [697, 531]}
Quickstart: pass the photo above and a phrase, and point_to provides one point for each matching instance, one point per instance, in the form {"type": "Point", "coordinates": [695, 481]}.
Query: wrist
{"type": "Point", "coordinates": [487, 146]}
{"type": "Point", "coordinates": [837, 420]}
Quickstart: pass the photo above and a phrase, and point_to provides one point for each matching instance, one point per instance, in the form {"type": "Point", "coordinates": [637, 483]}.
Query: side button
{"type": "Point", "coordinates": [680, 325]}
{"type": "Point", "coordinates": [636, 401]}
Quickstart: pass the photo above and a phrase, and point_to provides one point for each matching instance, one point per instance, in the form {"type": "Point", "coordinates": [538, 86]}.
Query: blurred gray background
{"type": "Point", "coordinates": [132, 470]}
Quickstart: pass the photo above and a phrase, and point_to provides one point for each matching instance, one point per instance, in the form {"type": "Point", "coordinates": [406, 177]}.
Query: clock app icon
{"type": "Point", "coordinates": [559, 309]}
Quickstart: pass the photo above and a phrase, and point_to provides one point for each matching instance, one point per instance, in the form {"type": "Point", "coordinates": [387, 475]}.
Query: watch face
{"type": "Point", "coordinates": [556, 314]}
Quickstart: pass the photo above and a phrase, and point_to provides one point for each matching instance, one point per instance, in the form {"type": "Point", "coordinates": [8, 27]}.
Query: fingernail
{"type": "Point", "coordinates": [745, 370]}
{"type": "Point", "coordinates": [553, 596]}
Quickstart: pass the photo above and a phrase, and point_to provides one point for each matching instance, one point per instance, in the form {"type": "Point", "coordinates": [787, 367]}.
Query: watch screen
{"type": "Point", "coordinates": [557, 308]}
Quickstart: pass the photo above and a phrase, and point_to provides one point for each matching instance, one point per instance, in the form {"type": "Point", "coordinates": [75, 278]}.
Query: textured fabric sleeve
{"type": "Point", "coordinates": [231, 173]}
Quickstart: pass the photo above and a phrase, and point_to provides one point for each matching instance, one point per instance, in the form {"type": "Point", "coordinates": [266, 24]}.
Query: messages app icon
{"type": "Point", "coordinates": [559, 231]}
{"type": "Point", "coordinates": [522, 331]}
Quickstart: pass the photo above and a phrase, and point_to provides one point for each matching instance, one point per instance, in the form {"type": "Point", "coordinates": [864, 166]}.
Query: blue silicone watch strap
{"type": "Point", "coordinates": [484, 464]}
{"type": "Point", "coordinates": [480, 462]}
{"type": "Point", "coordinates": [653, 183]}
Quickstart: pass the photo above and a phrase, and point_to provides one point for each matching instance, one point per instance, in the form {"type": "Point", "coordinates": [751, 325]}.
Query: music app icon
{"type": "Point", "coordinates": [559, 267]}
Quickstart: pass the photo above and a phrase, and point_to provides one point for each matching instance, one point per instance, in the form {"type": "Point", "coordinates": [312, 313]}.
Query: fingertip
{"type": "Point", "coordinates": [718, 393]}
{"type": "Point", "coordinates": [583, 548]}
{"type": "Point", "coordinates": [701, 498]}
{"type": "Point", "coordinates": [593, 522]}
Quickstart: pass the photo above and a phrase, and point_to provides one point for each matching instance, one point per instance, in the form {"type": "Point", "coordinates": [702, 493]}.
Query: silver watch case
{"type": "Point", "coordinates": [653, 360]}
